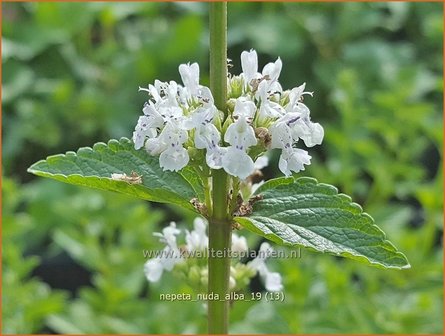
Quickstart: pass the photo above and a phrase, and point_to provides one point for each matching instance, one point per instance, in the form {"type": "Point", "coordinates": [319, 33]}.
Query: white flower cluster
{"type": "Point", "coordinates": [197, 240]}
{"type": "Point", "coordinates": [259, 116]}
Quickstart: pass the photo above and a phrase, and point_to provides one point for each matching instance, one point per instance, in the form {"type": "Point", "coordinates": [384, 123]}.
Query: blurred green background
{"type": "Point", "coordinates": [72, 258]}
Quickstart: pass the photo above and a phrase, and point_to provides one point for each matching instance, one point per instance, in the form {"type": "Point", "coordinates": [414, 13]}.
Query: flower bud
{"type": "Point", "coordinates": [263, 136]}
{"type": "Point", "coordinates": [235, 87]}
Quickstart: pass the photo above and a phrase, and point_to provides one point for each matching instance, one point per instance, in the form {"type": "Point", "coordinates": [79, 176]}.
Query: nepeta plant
{"type": "Point", "coordinates": [198, 148]}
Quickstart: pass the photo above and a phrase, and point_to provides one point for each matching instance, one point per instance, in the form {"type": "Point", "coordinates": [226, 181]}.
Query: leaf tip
{"type": "Point", "coordinates": [33, 168]}
{"type": "Point", "coordinates": [407, 266]}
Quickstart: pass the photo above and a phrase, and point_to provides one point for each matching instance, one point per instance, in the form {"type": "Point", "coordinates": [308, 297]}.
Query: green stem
{"type": "Point", "coordinates": [220, 235]}
{"type": "Point", "coordinates": [220, 230]}
{"type": "Point", "coordinates": [208, 194]}
{"type": "Point", "coordinates": [218, 53]}
{"type": "Point", "coordinates": [235, 192]}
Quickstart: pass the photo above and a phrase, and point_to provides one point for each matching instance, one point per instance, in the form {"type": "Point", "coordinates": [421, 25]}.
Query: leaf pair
{"type": "Point", "coordinates": [294, 212]}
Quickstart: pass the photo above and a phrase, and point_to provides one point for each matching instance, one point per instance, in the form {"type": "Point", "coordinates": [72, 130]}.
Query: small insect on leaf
{"type": "Point", "coordinates": [134, 177]}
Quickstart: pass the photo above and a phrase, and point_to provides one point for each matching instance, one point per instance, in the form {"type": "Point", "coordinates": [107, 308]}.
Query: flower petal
{"type": "Point", "coordinates": [153, 269]}
{"type": "Point", "coordinates": [249, 64]}
{"type": "Point", "coordinates": [272, 282]}
{"type": "Point", "coordinates": [190, 77]}
{"type": "Point", "coordinates": [207, 136]}
{"type": "Point", "coordinates": [236, 162]}
{"type": "Point", "coordinates": [240, 134]}
{"type": "Point", "coordinates": [272, 70]}
{"type": "Point", "coordinates": [293, 159]}
{"type": "Point", "coordinates": [214, 157]}
{"type": "Point", "coordinates": [174, 159]}
{"type": "Point", "coordinates": [244, 108]}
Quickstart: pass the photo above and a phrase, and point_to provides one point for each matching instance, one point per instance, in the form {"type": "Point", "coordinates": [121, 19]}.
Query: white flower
{"type": "Point", "coordinates": [244, 108]}
{"type": "Point", "coordinates": [153, 269]}
{"type": "Point", "coordinates": [272, 280]}
{"type": "Point", "coordinates": [317, 135]}
{"type": "Point", "coordinates": [236, 162]}
{"type": "Point", "coordinates": [197, 240]}
{"type": "Point", "coordinates": [272, 70]}
{"type": "Point", "coordinates": [171, 113]}
{"type": "Point", "coordinates": [174, 159]}
{"type": "Point", "coordinates": [155, 146]}
{"type": "Point", "coordinates": [190, 77]}
{"type": "Point", "coordinates": [240, 135]}
{"type": "Point", "coordinates": [268, 109]}
{"type": "Point", "coordinates": [147, 126]}
{"type": "Point", "coordinates": [163, 93]}
{"type": "Point", "coordinates": [214, 157]}
{"type": "Point", "coordinates": [153, 118]}
{"type": "Point", "coordinates": [152, 92]}
{"type": "Point", "coordinates": [239, 244]}
{"type": "Point", "coordinates": [249, 65]}
{"type": "Point", "coordinates": [296, 94]}
{"type": "Point", "coordinates": [139, 137]}
{"type": "Point", "coordinates": [281, 135]}
{"type": "Point", "coordinates": [155, 90]}
{"type": "Point", "coordinates": [207, 136]}
{"type": "Point", "coordinates": [171, 93]}
{"type": "Point", "coordinates": [302, 127]}
{"type": "Point", "coordinates": [293, 126]}
{"type": "Point", "coordinates": [205, 96]}
{"type": "Point", "coordinates": [311, 133]}
{"type": "Point", "coordinates": [168, 235]}
{"type": "Point", "coordinates": [169, 257]}
{"type": "Point", "coordinates": [201, 116]}
{"type": "Point", "coordinates": [293, 159]}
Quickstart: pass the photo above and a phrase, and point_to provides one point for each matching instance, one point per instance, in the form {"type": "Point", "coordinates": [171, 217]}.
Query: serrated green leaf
{"type": "Point", "coordinates": [193, 177]}
{"type": "Point", "coordinates": [303, 212]}
{"type": "Point", "coordinates": [92, 167]}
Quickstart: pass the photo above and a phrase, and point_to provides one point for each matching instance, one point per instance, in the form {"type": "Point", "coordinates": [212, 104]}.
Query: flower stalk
{"type": "Point", "coordinates": [219, 224]}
